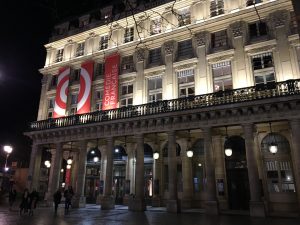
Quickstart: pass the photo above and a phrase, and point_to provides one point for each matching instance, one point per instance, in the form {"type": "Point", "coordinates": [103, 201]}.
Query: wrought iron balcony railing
{"type": "Point", "coordinates": [264, 91]}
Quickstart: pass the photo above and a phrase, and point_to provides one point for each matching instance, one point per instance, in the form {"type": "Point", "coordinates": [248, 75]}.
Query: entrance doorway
{"type": "Point", "coordinates": [237, 174]}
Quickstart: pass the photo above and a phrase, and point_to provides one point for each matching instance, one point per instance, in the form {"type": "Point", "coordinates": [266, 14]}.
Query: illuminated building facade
{"type": "Point", "coordinates": [196, 77]}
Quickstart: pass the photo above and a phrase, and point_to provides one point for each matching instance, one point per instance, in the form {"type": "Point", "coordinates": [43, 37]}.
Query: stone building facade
{"type": "Point", "coordinates": [192, 76]}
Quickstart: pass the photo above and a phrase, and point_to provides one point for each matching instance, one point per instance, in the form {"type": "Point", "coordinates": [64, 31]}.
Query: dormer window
{"type": "Point", "coordinates": [155, 27]}
{"type": "Point", "coordinates": [103, 42]}
{"type": "Point", "coordinates": [216, 7]}
{"type": "Point", "coordinates": [184, 17]}
{"type": "Point", "coordinates": [59, 55]}
{"type": "Point", "coordinates": [129, 34]}
{"type": "Point", "coordinates": [80, 49]}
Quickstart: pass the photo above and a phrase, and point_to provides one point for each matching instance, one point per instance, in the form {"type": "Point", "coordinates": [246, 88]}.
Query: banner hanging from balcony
{"type": "Point", "coordinates": [110, 96]}
{"type": "Point", "coordinates": [61, 92]}
{"type": "Point", "coordinates": [84, 96]}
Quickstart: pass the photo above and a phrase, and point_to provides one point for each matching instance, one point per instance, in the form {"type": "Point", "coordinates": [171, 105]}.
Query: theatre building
{"type": "Point", "coordinates": [176, 104]}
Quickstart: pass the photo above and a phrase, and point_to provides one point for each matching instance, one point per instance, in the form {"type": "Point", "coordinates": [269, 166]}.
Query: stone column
{"type": "Point", "coordinates": [139, 93]}
{"type": "Point", "coordinates": [43, 105]}
{"type": "Point", "coordinates": [172, 202]}
{"type": "Point", "coordinates": [295, 154]}
{"type": "Point", "coordinates": [138, 202]}
{"type": "Point", "coordinates": [210, 189]}
{"type": "Point", "coordinates": [256, 205]}
{"type": "Point", "coordinates": [34, 167]}
{"type": "Point", "coordinates": [79, 195]}
{"type": "Point", "coordinates": [129, 173]}
{"type": "Point", "coordinates": [187, 177]}
{"type": "Point", "coordinates": [170, 85]}
{"type": "Point", "coordinates": [279, 24]}
{"type": "Point", "coordinates": [238, 37]}
{"type": "Point", "coordinates": [202, 80]}
{"type": "Point", "coordinates": [55, 168]}
{"type": "Point", "coordinates": [218, 146]}
{"type": "Point", "coordinates": [107, 202]}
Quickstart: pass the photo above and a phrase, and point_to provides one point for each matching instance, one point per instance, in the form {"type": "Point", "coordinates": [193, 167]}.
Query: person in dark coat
{"type": "Point", "coordinates": [68, 194]}
{"type": "Point", "coordinates": [12, 198]}
{"type": "Point", "coordinates": [25, 201]}
{"type": "Point", "coordinates": [33, 199]}
{"type": "Point", "coordinates": [56, 200]}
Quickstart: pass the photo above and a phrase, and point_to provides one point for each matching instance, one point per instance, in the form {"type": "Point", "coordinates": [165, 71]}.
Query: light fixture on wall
{"type": "Point", "coordinates": [156, 153]}
{"type": "Point", "coordinates": [273, 146]}
{"type": "Point", "coordinates": [189, 151]}
{"type": "Point", "coordinates": [227, 145]}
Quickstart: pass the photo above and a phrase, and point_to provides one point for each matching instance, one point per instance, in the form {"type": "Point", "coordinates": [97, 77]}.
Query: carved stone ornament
{"type": "Point", "coordinates": [262, 49]}
{"type": "Point", "coordinates": [185, 66]}
{"type": "Point", "coordinates": [279, 18]}
{"type": "Point", "coordinates": [237, 29]}
{"type": "Point", "coordinates": [155, 73]}
{"type": "Point", "coordinates": [169, 47]}
{"type": "Point", "coordinates": [140, 55]}
{"type": "Point", "coordinates": [220, 58]}
{"type": "Point", "coordinates": [201, 38]}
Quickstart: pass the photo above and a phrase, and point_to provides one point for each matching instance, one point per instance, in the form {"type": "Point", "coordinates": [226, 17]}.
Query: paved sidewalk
{"type": "Point", "coordinates": [92, 215]}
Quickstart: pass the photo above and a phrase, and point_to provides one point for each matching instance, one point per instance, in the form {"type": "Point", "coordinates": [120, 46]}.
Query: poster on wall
{"type": "Point", "coordinates": [61, 92]}
{"type": "Point", "coordinates": [84, 95]}
{"type": "Point", "coordinates": [110, 96]}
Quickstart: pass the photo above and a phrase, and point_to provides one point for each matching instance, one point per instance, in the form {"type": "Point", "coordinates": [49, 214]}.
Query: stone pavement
{"type": "Point", "coordinates": [92, 215]}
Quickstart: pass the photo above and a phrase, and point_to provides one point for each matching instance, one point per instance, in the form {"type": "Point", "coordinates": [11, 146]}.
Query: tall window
{"type": "Point", "coordinates": [103, 42]}
{"type": "Point", "coordinates": [252, 2]}
{"type": "Point", "coordinates": [298, 55]}
{"type": "Point", "coordinates": [155, 56]}
{"type": "Point", "coordinates": [219, 39]}
{"type": "Point", "coordinates": [74, 99]}
{"type": "Point", "coordinates": [185, 49]}
{"type": "Point", "coordinates": [155, 27]}
{"type": "Point", "coordinates": [53, 82]}
{"type": "Point", "coordinates": [126, 95]}
{"type": "Point", "coordinates": [216, 7]}
{"type": "Point", "coordinates": [155, 89]}
{"type": "Point", "coordinates": [99, 70]}
{"type": "Point", "coordinates": [80, 49]}
{"type": "Point", "coordinates": [263, 68]}
{"type": "Point", "coordinates": [222, 77]}
{"type": "Point", "coordinates": [184, 17]}
{"type": "Point", "coordinates": [76, 76]}
{"type": "Point", "coordinates": [127, 64]}
{"type": "Point", "coordinates": [278, 168]}
{"type": "Point", "coordinates": [129, 34]}
{"type": "Point", "coordinates": [98, 100]}
{"type": "Point", "coordinates": [257, 29]}
{"type": "Point", "coordinates": [293, 23]}
{"type": "Point", "coordinates": [59, 55]}
{"type": "Point", "coordinates": [186, 83]}
{"type": "Point", "coordinates": [51, 103]}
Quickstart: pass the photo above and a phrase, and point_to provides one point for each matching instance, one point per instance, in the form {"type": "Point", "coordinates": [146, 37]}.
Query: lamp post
{"type": "Point", "coordinates": [8, 150]}
{"type": "Point", "coordinates": [227, 145]}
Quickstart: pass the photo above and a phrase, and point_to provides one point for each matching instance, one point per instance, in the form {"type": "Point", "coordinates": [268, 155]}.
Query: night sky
{"type": "Point", "coordinates": [26, 26]}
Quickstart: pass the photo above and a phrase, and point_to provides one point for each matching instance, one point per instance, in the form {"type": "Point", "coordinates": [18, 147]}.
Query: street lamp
{"type": "Point", "coordinates": [47, 163]}
{"type": "Point", "coordinates": [155, 155]}
{"type": "Point", "coordinates": [273, 146]}
{"type": "Point", "coordinates": [227, 145]}
{"type": "Point", "coordinates": [8, 149]}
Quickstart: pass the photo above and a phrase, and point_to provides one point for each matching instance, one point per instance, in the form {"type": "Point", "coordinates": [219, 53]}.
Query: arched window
{"type": "Point", "coordinates": [198, 165]}
{"type": "Point", "coordinates": [93, 155]}
{"type": "Point", "coordinates": [278, 167]}
{"type": "Point", "coordinates": [119, 153]}
{"type": "Point", "coordinates": [165, 150]}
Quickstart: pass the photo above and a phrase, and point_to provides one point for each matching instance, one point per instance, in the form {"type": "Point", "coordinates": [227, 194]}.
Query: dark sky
{"type": "Point", "coordinates": [26, 26]}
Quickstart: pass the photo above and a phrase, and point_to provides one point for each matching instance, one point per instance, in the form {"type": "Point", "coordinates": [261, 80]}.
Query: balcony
{"type": "Point", "coordinates": [206, 101]}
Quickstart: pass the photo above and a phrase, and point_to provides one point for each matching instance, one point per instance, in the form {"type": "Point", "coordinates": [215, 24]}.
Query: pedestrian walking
{"type": "Point", "coordinates": [56, 200]}
{"type": "Point", "coordinates": [12, 198]}
{"type": "Point", "coordinates": [25, 202]}
{"type": "Point", "coordinates": [68, 194]}
{"type": "Point", "coordinates": [33, 199]}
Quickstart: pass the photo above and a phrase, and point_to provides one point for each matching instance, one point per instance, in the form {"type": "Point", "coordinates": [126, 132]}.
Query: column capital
{"type": "Point", "coordinates": [207, 130]}
{"type": "Point", "coordinates": [139, 136]}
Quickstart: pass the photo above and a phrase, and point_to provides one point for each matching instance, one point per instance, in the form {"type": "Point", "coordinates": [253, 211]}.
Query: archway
{"type": "Point", "coordinates": [92, 179]}
{"type": "Point", "coordinates": [119, 173]}
{"type": "Point", "coordinates": [237, 174]}
{"type": "Point", "coordinates": [148, 170]}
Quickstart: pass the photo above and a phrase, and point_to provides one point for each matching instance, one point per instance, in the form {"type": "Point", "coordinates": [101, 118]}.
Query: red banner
{"type": "Point", "coordinates": [84, 96]}
{"type": "Point", "coordinates": [110, 96]}
{"type": "Point", "coordinates": [61, 92]}
{"type": "Point", "coordinates": [68, 177]}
